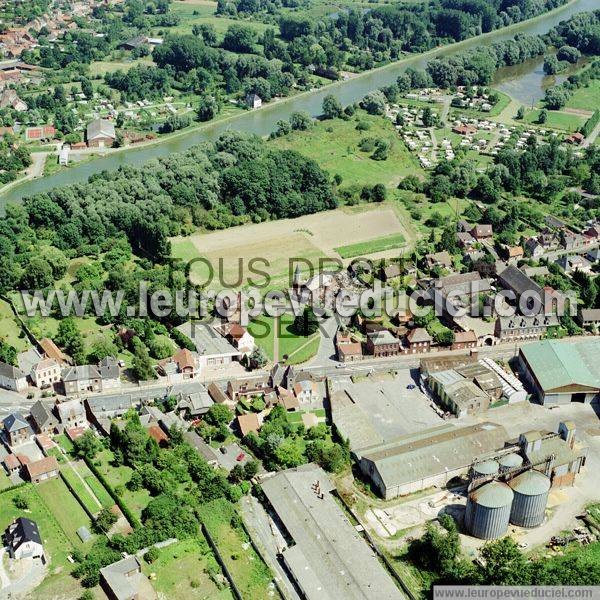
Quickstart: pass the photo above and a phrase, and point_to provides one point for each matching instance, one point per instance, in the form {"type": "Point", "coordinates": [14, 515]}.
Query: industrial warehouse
{"type": "Point", "coordinates": [325, 555]}
{"type": "Point", "coordinates": [430, 458]}
{"type": "Point", "coordinates": [560, 372]}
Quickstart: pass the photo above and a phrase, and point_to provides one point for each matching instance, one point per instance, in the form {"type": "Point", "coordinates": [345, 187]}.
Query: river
{"type": "Point", "coordinates": [262, 121]}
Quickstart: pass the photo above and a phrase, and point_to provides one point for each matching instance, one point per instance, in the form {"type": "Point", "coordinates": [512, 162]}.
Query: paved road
{"type": "Point", "coordinates": [589, 141]}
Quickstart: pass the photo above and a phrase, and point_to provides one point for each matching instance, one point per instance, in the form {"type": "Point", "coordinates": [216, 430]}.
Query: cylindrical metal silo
{"type": "Point", "coordinates": [531, 497]}
{"type": "Point", "coordinates": [510, 461]}
{"type": "Point", "coordinates": [488, 510]}
{"type": "Point", "coordinates": [485, 468]}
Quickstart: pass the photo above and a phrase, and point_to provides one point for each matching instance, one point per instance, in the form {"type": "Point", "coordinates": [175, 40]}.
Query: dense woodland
{"type": "Point", "coordinates": [237, 179]}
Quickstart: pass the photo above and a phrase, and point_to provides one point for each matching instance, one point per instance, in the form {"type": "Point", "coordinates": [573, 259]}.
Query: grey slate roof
{"type": "Point", "coordinates": [329, 558]}
{"type": "Point", "coordinates": [118, 579]}
{"type": "Point", "coordinates": [80, 373]}
{"type": "Point", "coordinates": [26, 530]}
{"type": "Point", "coordinates": [514, 279]}
{"type": "Point", "coordinates": [109, 368]}
{"type": "Point", "coordinates": [15, 422]}
{"type": "Point", "coordinates": [207, 341]}
{"type": "Point", "coordinates": [10, 372]}
{"type": "Point", "coordinates": [41, 413]}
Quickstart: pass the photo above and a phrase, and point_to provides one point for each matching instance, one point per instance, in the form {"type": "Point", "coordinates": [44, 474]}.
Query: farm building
{"type": "Point", "coordinates": [561, 372]}
{"type": "Point", "coordinates": [428, 458]}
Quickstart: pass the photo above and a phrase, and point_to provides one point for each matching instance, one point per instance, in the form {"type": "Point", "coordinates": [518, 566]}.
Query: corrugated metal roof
{"type": "Point", "coordinates": [557, 364]}
{"type": "Point", "coordinates": [494, 494]}
{"type": "Point", "coordinates": [530, 483]}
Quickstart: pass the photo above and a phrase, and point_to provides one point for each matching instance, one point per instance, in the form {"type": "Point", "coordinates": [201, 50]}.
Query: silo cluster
{"type": "Point", "coordinates": [492, 506]}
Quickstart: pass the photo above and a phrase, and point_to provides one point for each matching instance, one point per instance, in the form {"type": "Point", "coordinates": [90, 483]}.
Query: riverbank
{"type": "Point", "coordinates": [262, 121]}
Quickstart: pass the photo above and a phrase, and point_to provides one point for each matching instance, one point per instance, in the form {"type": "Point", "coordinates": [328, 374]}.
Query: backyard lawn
{"type": "Point", "coordinates": [184, 569]}
{"type": "Point", "coordinates": [249, 572]}
{"type": "Point", "coordinates": [118, 477]}
{"type": "Point", "coordinates": [10, 330]}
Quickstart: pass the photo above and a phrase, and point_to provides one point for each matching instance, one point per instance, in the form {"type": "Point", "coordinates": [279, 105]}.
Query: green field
{"type": "Point", "coordinates": [195, 12]}
{"type": "Point", "coordinates": [183, 571]}
{"type": "Point", "coordinates": [334, 144]}
{"type": "Point", "coordinates": [586, 98]}
{"type": "Point", "coordinates": [557, 120]}
{"type": "Point", "coordinates": [80, 490]}
{"type": "Point", "coordinates": [388, 242]}
{"type": "Point", "coordinates": [249, 572]}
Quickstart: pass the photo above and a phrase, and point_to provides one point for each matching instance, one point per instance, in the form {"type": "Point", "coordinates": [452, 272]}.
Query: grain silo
{"type": "Point", "coordinates": [488, 510]}
{"type": "Point", "coordinates": [531, 497]}
{"type": "Point", "coordinates": [510, 461]}
{"type": "Point", "coordinates": [485, 468]}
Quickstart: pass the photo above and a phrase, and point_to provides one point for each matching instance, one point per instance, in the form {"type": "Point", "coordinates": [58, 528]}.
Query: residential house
{"type": "Point", "coordinates": [253, 101]}
{"type": "Point", "coordinates": [438, 259]}
{"type": "Point", "coordinates": [465, 239]}
{"type": "Point", "coordinates": [81, 378]}
{"type": "Point", "coordinates": [238, 336]}
{"type": "Point", "coordinates": [251, 386]}
{"type": "Point", "coordinates": [307, 392]}
{"type": "Point", "coordinates": [572, 241]}
{"type": "Point", "coordinates": [43, 469]}
{"type": "Point", "coordinates": [43, 418]}
{"type": "Point", "coordinates": [575, 262]}
{"type": "Point", "coordinates": [100, 133]}
{"type": "Point", "coordinates": [514, 253]}
{"type": "Point", "coordinates": [464, 340]}
{"type": "Point", "coordinates": [196, 404]}
{"type": "Point", "coordinates": [418, 340]}
{"type": "Point", "coordinates": [482, 232]}
{"type": "Point", "coordinates": [110, 373]}
{"type": "Point", "coordinates": [216, 393]}
{"type": "Point", "coordinates": [534, 248]}
{"type": "Point", "coordinates": [71, 413]}
{"type": "Point", "coordinates": [12, 378]}
{"type": "Point", "coordinates": [248, 423]}
{"type": "Point", "coordinates": [589, 317]}
{"type": "Point", "coordinates": [51, 350]}
{"type": "Point", "coordinates": [287, 399]}
{"type": "Point", "coordinates": [593, 231]}
{"type": "Point", "coordinates": [9, 98]}
{"type": "Point", "coordinates": [184, 364]}
{"type": "Point", "coordinates": [391, 272]}
{"type": "Point", "coordinates": [382, 343]}
{"type": "Point", "coordinates": [124, 580]}
{"type": "Point", "coordinates": [45, 373]}
{"type": "Point", "coordinates": [593, 255]}
{"type": "Point", "coordinates": [23, 540]}
{"type": "Point", "coordinates": [348, 350]}
{"type": "Point", "coordinates": [16, 429]}
{"type": "Point", "coordinates": [518, 327]}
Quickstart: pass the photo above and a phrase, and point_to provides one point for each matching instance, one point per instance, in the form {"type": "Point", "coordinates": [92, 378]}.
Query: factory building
{"type": "Point", "coordinates": [488, 510]}
{"type": "Point", "coordinates": [430, 458]}
{"type": "Point", "coordinates": [465, 385]}
{"type": "Point", "coordinates": [323, 554]}
{"type": "Point", "coordinates": [561, 371]}
{"type": "Point", "coordinates": [556, 455]}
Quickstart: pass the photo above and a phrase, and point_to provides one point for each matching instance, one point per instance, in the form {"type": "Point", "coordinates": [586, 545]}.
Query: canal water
{"type": "Point", "coordinates": [263, 121]}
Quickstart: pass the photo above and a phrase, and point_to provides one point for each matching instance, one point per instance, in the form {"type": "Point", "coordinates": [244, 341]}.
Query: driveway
{"type": "Point", "coordinates": [31, 571]}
